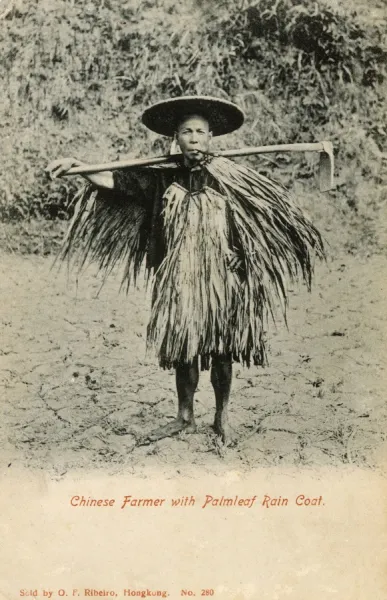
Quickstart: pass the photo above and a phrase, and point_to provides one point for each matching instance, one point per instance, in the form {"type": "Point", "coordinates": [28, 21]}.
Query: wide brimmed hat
{"type": "Point", "coordinates": [164, 117]}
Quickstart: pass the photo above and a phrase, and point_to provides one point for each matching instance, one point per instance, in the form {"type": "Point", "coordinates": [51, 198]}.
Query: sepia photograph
{"type": "Point", "coordinates": [193, 312]}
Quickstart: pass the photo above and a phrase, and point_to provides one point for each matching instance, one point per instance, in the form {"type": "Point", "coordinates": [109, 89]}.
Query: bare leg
{"type": "Point", "coordinates": [221, 377]}
{"type": "Point", "coordinates": [187, 377]}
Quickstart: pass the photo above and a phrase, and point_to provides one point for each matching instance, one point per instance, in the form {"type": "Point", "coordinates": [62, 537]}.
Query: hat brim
{"type": "Point", "coordinates": [164, 117]}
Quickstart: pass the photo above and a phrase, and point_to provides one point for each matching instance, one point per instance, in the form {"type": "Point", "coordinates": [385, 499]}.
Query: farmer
{"type": "Point", "coordinates": [219, 241]}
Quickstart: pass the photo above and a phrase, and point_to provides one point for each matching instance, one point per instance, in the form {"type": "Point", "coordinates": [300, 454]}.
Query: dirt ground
{"type": "Point", "coordinates": [78, 391]}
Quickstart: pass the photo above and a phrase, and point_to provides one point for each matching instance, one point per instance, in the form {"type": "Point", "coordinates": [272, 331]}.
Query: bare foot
{"type": "Point", "coordinates": [174, 427]}
{"type": "Point", "coordinates": [222, 428]}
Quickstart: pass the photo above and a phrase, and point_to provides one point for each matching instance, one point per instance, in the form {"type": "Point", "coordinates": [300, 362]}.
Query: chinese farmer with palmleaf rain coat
{"type": "Point", "coordinates": [219, 242]}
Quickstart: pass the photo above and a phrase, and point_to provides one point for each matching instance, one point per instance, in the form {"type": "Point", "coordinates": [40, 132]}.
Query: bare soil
{"type": "Point", "coordinates": [78, 391]}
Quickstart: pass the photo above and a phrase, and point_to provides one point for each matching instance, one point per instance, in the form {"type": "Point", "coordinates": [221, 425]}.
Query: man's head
{"type": "Point", "coordinates": [194, 137]}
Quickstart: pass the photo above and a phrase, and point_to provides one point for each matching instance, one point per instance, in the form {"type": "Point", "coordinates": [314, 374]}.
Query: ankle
{"type": "Point", "coordinates": [186, 416]}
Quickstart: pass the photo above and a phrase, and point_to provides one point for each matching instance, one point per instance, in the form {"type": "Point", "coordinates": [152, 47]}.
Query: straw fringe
{"type": "Point", "coordinates": [278, 242]}
{"type": "Point", "coordinates": [107, 230]}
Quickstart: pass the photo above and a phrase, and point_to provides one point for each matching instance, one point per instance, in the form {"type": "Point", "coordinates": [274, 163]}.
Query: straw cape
{"type": "Point", "coordinates": [187, 225]}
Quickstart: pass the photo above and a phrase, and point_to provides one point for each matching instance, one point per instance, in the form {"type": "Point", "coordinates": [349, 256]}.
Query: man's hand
{"type": "Point", "coordinates": [59, 167]}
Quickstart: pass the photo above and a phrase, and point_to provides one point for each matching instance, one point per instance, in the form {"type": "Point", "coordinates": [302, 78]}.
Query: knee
{"type": "Point", "coordinates": [221, 367]}
{"type": "Point", "coordinates": [186, 366]}
{"type": "Point", "coordinates": [222, 361]}
{"type": "Point", "coordinates": [187, 371]}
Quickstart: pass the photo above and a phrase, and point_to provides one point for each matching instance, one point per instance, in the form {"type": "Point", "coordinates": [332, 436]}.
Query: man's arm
{"type": "Point", "coordinates": [59, 168]}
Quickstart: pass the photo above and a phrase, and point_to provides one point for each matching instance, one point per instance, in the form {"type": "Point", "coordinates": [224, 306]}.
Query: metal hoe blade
{"type": "Point", "coordinates": [326, 167]}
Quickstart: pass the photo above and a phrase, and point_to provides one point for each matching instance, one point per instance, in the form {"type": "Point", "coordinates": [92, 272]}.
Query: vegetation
{"type": "Point", "coordinates": [77, 76]}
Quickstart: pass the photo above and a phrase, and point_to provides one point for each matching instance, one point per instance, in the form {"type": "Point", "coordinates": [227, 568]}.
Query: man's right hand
{"type": "Point", "coordinates": [59, 167]}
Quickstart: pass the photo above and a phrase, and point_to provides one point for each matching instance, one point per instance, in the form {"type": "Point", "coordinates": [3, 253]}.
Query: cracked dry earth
{"type": "Point", "coordinates": [77, 390]}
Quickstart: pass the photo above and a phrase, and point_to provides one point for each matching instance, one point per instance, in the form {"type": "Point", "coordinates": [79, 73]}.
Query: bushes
{"type": "Point", "coordinates": [79, 74]}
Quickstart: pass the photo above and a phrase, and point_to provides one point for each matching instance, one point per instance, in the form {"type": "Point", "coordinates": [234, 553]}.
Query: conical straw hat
{"type": "Point", "coordinates": [164, 117]}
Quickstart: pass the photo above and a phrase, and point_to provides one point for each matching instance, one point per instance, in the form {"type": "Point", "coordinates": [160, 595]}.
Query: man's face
{"type": "Point", "coordinates": [193, 136]}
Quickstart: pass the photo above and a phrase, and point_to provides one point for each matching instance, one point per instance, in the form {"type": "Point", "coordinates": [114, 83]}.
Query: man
{"type": "Point", "coordinates": [218, 239]}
